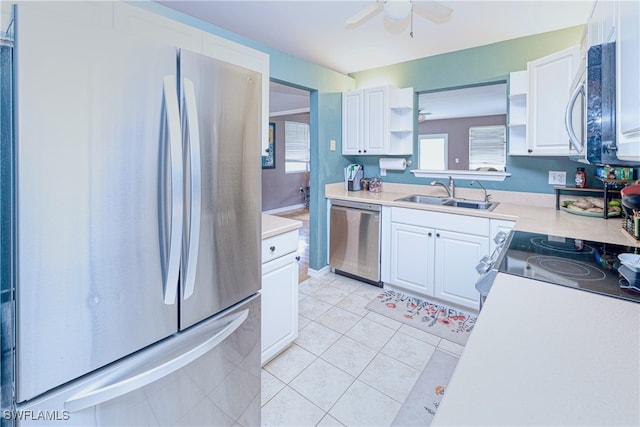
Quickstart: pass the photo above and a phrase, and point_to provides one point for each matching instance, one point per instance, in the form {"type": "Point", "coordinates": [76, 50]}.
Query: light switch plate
{"type": "Point", "coordinates": [557, 177]}
{"type": "Point", "coordinates": [332, 145]}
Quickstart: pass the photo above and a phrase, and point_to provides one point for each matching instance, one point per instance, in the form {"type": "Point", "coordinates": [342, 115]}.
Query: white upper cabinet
{"type": "Point", "coordinates": [548, 83]}
{"type": "Point", "coordinates": [628, 81]}
{"type": "Point", "coordinates": [377, 121]}
{"type": "Point", "coordinates": [550, 80]}
{"type": "Point", "coordinates": [138, 22]}
{"type": "Point", "coordinates": [601, 27]}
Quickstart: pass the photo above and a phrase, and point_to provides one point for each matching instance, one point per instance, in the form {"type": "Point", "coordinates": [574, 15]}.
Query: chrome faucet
{"type": "Point", "coordinates": [451, 189]}
{"type": "Point", "coordinates": [486, 196]}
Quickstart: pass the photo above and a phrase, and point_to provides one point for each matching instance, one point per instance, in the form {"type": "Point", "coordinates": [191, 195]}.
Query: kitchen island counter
{"type": "Point", "coordinates": [542, 354]}
{"type": "Point", "coordinates": [533, 212]}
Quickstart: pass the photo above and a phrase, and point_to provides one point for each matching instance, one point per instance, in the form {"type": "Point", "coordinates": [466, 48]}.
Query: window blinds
{"type": "Point", "coordinates": [487, 148]}
{"type": "Point", "coordinates": [296, 146]}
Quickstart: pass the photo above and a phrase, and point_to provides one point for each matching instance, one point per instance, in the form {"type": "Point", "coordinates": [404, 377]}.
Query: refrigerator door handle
{"type": "Point", "coordinates": [175, 219]}
{"type": "Point", "coordinates": [122, 381]}
{"type": "Point", "coordinates": [195, 197]}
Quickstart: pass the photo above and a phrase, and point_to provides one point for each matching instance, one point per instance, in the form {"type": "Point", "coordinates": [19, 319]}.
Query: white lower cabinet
{"type": "Point", "coordinates": [456, 257]}
{"type": "Point", "coordinates": [279, 294]}
{"type": "Point", "coordinates": [409, 244]}
{"type": "Point", "coordinates": [434, 254]}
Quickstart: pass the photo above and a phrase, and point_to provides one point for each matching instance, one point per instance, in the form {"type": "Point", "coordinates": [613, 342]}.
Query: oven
{"type": "Point", "coordinates": [579, 264]}
{"type": "Point", "coordinates": [487, 267]}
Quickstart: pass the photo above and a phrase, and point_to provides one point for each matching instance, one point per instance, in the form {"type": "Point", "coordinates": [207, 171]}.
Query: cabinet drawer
{"type": "Point", "coordinates": [443, 221]}
{"type": "Point", "coordinates": [277, 246]}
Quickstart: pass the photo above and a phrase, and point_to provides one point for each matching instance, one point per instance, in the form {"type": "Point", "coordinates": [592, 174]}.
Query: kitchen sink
{"type": "Point", "coordinates": [430, 200]}
{"type": "Point", "coordinates": [473, 204]}
{"type": "Point", "coordinates": [447, 201]}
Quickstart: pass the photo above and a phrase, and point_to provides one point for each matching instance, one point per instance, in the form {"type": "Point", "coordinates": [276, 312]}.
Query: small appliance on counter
{"type": "Point", "coordinates": [352, 176]}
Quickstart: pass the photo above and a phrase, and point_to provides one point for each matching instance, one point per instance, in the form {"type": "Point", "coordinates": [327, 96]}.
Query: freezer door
{"type": "Point", "coordinates": [221, 108]}
{"type": "Point", "coordinates": [95, 201]}
{"type": "Point", "coordinates": [206, 376]}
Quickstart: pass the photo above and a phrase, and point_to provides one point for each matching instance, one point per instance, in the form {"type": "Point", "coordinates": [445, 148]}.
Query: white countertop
{"type": "Point", "coordinates": [532, 212]}
{"type": "Point", "coordinates": [542, 354]}
{"type": "Point", "coordinates": [273, 225]}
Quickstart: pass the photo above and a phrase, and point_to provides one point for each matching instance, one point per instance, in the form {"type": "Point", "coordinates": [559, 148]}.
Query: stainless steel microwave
{"type": "Point", "coordinates": [590, 116]}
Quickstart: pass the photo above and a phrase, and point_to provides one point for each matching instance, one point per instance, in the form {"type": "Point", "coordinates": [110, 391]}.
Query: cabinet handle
{"type": "Point", "coordinates": [297, 258]}
{"type": "Point", "coordinates": [437, 234]}
{"type": "Point", "coordinates": [429, 234]}
{"type": "Point", "coordinates": [272, 248]}
{"type": "Point", "coordinates": [529, 150]}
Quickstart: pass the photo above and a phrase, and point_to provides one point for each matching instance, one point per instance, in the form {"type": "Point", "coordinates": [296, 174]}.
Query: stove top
{"type": "Point", "coordinates": [580, 264]}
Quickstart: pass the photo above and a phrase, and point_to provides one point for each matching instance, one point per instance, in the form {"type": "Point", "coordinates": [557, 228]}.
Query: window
{"type": "Point", "coordinates": [433, 151]}
{"type": "Point", "coordinates": [487, 148]}
{"type": "Point", "coordinates": [296, 147]}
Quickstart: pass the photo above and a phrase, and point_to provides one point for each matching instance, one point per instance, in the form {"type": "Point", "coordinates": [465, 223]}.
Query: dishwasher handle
{"type": "Point", "coordinates": [356, 205]}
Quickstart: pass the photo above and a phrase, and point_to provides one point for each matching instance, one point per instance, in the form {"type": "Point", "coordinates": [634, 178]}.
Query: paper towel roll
{"type": "Point", "coordinates": [393, 164]}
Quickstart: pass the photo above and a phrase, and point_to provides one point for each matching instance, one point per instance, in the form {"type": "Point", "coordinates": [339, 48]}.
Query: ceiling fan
{"type": "Point", "coordinates": [397, 10]}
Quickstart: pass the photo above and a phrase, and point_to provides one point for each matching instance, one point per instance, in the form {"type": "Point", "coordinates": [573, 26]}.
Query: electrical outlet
{"type": "Point", "coordinates": [557, 178]}
{"type": "Point", "coordinates": [332, 145]}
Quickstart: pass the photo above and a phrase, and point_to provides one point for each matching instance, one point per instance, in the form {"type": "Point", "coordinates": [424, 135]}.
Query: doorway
{"type": "Point", "coordinates": [286, 179]}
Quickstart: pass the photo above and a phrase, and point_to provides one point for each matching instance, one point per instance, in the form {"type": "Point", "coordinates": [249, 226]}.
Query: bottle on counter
{"type": "Point", "coordinates": [581, 178]}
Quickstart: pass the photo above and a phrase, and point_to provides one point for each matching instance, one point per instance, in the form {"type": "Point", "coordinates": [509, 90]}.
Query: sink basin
{"type": "Point", "coordinates": [430, 200]}
{"type": "Point", "coordinates": [473, 204]}
{"type": "Point", "coordinates": [446, 201]}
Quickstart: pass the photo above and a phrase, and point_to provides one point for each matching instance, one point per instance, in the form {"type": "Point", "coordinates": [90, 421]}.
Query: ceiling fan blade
{"type": "Point", "coordinates": [433, 11]}
{"type": "Point", "coordinates": [364, 14]}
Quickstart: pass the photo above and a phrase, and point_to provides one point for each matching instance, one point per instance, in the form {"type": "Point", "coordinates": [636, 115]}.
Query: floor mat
{"type": "Point", "coordinates": [445, 322]}
{"type": "Point", "coordinates": [422, 403]}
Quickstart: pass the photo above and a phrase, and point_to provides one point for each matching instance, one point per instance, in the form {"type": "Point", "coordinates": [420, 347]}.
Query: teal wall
{"type": "Point", "coordinates": [483, 64]}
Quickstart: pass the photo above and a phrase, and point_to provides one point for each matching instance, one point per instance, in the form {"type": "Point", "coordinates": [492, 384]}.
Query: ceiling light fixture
{"type": "Point", "coordinates": [397, 10]}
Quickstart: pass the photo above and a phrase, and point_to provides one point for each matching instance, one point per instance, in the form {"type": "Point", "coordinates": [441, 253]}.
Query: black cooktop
{"type": "Point", "coordinates": [581, 264]}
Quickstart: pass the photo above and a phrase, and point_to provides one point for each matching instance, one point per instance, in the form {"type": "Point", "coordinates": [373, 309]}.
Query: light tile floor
{"type": "Point", "coordinates": [349, 366]}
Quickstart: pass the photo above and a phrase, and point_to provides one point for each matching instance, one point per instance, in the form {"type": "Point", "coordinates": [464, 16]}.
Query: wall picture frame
{"type": "Point", "coordinates": [269, 159]}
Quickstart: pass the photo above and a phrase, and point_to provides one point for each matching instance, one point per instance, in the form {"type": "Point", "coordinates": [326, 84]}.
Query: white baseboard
{"type": "Point", "coordinates": [319, 273]}
{"type": "Point", "coordinates": [284, 209]}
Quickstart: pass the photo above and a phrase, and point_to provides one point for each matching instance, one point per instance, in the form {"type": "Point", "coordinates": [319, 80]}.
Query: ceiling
{"type": "Point", "coordinates": [315, 30]}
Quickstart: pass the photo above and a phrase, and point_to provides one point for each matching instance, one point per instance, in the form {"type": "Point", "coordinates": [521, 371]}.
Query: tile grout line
{"type": "Point", "coordinates": [341, 335]}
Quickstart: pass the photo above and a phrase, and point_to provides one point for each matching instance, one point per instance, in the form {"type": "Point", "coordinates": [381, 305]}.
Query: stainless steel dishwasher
{"type": "Point", "coordinates": [354, 248]}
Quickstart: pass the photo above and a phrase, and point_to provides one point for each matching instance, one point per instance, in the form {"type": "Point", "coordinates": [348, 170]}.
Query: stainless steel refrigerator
{"type": "Point", "coordinates": [135, 222]}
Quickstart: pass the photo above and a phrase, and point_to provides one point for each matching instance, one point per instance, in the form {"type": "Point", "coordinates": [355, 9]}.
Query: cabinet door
{"type": "Point", "coordinates": [376, 118]}
{"type": "Point", "coordinates": [412, 258]}
{"type": "Point", "coordinates": [455, 274]}
{"type": "Point", "coordinates": [550, 80]}
{"type": "Point", "coordinates": [352, 123]}
{"type": "Point", "coordinates": [628, 88]}
{"type": "Point", "coordinates": [136, 21]}
{"type": "Point", "coordinates": [279, 305]}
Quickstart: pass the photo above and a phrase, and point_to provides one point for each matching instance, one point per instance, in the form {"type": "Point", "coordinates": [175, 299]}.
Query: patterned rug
{"type": "Point", "coordinates": [445, 322]}
{"type": "Point", "coordinates": [422, 403]}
